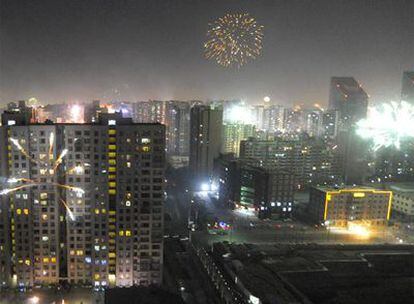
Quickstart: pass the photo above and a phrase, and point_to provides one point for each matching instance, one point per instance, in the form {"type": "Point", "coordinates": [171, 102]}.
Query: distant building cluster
{"type": "Point", "coordinates": [82, 185]}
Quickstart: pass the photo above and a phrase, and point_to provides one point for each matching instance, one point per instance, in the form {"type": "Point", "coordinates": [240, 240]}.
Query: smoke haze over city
{"type": "Point", "coordinates": [66, 51]}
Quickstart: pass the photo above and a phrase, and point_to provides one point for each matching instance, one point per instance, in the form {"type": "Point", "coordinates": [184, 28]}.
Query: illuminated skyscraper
{"type": "Point", "coordinates": [273, 118]}
{"type": "Point", "coordinates": [149, 111]}
{"type": "Point", "coordinates": [233, 134]}
{"type": "Point", "coordinates": [407, 93]}
{"type": "Point", "coordinates": [91, 207]}
{"type": "Point", "coordinates": [330, 120]}
{"type": "Point", "coordinates": [205, 138]}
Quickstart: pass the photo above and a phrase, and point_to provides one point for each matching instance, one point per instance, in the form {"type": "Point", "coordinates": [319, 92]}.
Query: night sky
{"type": "Point", "coordinates": [79, 50]}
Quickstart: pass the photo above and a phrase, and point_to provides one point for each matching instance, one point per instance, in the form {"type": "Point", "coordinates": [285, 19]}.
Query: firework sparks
{"type": "Point", "coordinates": [27, 183]}
{"type": "Point", "coordinates": [9, 190]}
{"type": "Point", "coordinates": [69, 212]}
{"type": "Point", "coordinates": [51, 139]}
{"type": "Point", "coordinates": [388, 125]}
{"type": "Point", "coordinates": [60, 158]}
{"type": "Point", "coordinates": [234, 39]}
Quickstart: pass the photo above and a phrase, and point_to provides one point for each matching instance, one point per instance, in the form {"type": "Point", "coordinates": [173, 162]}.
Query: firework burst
{"type": "Point", "coordinates": [234, 39]}
{"type": "Point", "coordinates": [22, 183]}
{"type": "Point", "coordinates": [388, 125]}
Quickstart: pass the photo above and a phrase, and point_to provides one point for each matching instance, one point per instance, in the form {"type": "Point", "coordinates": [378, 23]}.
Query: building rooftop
{"type": "Point", "coordinates": [320, 273]}
{"type": "Point", "coordinates": [140, 295]}
{"type": "Point", "coordinates": [346, 188]}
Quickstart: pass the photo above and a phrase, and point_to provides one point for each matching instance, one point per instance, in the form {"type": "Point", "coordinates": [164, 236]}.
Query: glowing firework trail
{"type": "Point", "coordinates": [234, 39]}
{"type": "Point", "coordinates": [70, 213]}
{"type": "Point", "coordinates": [16, 143]}
{"type": "Point", "coordinates": [34, 183]}
{"type": "Point", "coordinates": [72, 188]}
{"type": "Point", "coordinates": [14, 180]}
{"type": "Point", "coordinates": [9, 190]}
{"type": "Point", "coordinates": [388, 125]}
{"type": "Point", "coordinates": [51, 139]}
{"type": "Point", "coordinates": [60, 158]}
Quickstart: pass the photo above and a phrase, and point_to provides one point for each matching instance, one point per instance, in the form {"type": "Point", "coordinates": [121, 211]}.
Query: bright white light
{"type": "Point", "coordinates": [76, 114]}
{"type": "Point", "coordinates": [205, 187]}
{"type": "Point", "coordinates": [5, 191]}
{"type": "Point", "coordinates": [239, 114]}
{"type": "Point", "coordinates": [388, 125]}
{"type": "Point", "coordinates": [34, 300]}
{"type": "Point", "coordinates": [358, 230]}
{"type": "Point", "coordinates": [78, 170]}
{"type": "Point", "coordinates": [266, 99]}
{"type": "Point", "coordinates": [13, 180]}
{"type": "Point", "coordinates": [16, 143]}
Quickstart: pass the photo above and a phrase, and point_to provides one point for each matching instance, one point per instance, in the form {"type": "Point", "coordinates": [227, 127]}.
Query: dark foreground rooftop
{"type": "Point", "coordinates": [319, 274]}
{"type": "Point", "coordinates": [141, 295]}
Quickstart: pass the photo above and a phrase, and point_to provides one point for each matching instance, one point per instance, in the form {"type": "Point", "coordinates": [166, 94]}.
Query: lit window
{"type": "Point", "coordinates": [145, 140]}
{"type": "Point", "coordinates": [11, 122]}
{"type": "Point", "coordinates": [111, 122]}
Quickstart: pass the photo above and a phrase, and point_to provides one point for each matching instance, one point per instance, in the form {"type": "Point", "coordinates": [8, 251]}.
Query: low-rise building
{"type": "Point", "coordinates": [339, 207]}
{"type": "Point", "coordinates": [266, 192]}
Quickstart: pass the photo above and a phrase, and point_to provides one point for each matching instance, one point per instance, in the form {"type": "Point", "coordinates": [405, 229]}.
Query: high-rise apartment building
{"type": "Point", "coordinates": [407, 93]}
{"type": "Point", "coordinates": [273, 118]}
{"type": "Point", "coordinates": [351, 101]}
{"type": "Point", "coordinates": [177, 120]}
{"type": "Point", "coordinates": [205, 138]}
{"type": "Point", "coordinates": [86, 202]}
{"type": "Point", "coordinates": [311, 161]}
{"type": "Point", "coordinates": [233, 134]}
{"type": "Point", "coordinates": [348, 97]}
{"type": "Point", "coordinates": [312, 122]}
{"type": "Point", "coordinates": [149, 111]}
{"type": "Point", "coordinates": [330, 120]}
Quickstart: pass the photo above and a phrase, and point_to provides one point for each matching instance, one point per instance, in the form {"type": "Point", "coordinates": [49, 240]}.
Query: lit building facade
{"type": "Point", "coordinates": [341, 207]}
{"type": "Point", "coordinates": [91, 207]}
{"type": "Point", "coordinates": [233, 134]}
{"type": "Point", "coordinates": [330, 120]}
{"type": "Point", "coordinates": [311, 161]}
{"type": "Point", "coordinates": [273, 118]}
{"type": "Point", "coordinates": [151, 111]}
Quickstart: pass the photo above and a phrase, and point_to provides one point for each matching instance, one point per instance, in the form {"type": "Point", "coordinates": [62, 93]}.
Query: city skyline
{"type": "Point", "coordinates": [138, 51]}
